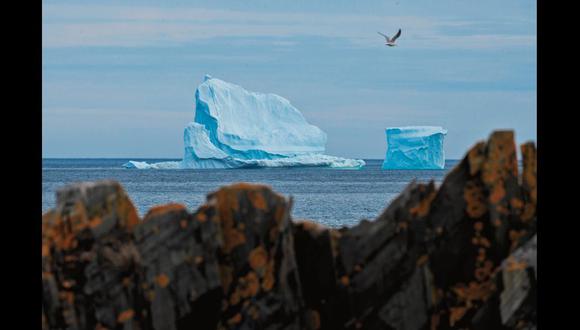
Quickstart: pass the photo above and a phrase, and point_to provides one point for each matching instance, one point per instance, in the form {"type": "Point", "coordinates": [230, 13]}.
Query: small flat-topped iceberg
{"type": "Point", "coordinates": [235, 128]}
{"type": "Point", "coordinates": [415, 148]}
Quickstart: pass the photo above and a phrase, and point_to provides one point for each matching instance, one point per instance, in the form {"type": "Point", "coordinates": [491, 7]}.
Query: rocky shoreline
{"type": "Point", "coordinates": [459, 256]}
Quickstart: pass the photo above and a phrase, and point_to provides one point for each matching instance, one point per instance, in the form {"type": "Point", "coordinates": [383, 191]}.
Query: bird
{"type": "Point", "coordinates": [391, 41]}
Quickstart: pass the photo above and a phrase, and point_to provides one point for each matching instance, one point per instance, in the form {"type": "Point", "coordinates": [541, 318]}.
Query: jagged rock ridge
{"type": "Point", "coordinates": [461, 256]}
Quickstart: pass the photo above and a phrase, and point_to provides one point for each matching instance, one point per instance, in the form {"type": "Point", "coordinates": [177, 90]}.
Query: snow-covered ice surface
{"type": "Point", "coordinates": [235, 128]}
{"type": "Point", "coordinates": [157, 166]}
{"type": "Point", "coordinates": [415, 147]}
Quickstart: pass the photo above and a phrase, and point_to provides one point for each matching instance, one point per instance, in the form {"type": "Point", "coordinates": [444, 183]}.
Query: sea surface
{"type": "Point", "coordinates": [331, 197]}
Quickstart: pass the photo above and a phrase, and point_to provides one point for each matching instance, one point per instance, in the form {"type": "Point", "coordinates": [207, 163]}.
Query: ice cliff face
{"type": "Point", "coordinates": [415, 147]}
{"type": "Point", "coordinates": [235, 128]}
{"type": "Point", "coordinates": [253, 125]}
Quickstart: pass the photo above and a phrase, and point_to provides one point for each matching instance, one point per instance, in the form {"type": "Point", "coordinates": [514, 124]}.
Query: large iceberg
{"type": "Point", "coordinates": [415, 147]}
{"type": "Point", "coordinates": [235, 128]}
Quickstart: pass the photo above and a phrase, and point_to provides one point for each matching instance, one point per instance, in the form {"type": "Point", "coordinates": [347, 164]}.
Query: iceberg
{"type": "Point", "coordinates": [157, 166]}
{"type": "Point", "coordinates": [415, 147]}
{"type": "Point", "coordinates": [236, 128]}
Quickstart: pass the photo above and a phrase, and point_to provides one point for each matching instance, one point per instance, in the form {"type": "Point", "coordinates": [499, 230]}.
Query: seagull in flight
{"type": "Point", "coordinates": [391, 41]}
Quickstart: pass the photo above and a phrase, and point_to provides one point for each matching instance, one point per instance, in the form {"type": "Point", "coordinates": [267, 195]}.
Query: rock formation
{"type": "Point", "coordinates": [460, 256]}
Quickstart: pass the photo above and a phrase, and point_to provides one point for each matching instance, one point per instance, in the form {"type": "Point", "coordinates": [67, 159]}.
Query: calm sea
{"type": "Point", "coordinates": [329, 196]}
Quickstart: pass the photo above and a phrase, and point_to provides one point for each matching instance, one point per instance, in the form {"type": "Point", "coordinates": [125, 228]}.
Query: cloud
{"type": "Point", "coordinates": [124, 114]}
{"type": "Point", "coordinates": [146, 26]}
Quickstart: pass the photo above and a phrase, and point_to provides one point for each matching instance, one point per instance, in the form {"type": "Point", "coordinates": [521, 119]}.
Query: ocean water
{"type": "Point", "coordinates": [329, 196]}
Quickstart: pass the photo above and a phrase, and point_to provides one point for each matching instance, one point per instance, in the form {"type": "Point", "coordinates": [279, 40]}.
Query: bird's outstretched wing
{"type": "Point", "coordinates": [387, 38]}
{"type": "Point", "coordinates": [396, 36]}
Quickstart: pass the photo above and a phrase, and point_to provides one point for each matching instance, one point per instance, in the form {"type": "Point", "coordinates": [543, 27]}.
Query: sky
{"type": "Point", "coordinates": [119, 77]}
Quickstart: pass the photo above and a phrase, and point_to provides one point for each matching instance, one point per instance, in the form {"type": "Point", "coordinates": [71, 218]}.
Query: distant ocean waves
{"type": "Point", "coordinates": [333, 197]}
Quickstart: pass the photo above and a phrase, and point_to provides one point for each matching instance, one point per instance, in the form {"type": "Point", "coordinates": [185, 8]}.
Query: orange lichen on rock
{"type": "Point", "coordinates": [268, 279]}
{"type": "Point", "coordinates": [99, 326]}
{"type": "Point", "coordinates": [258, 200]}
{"type": "Point", "coordinates": [162, 280]}
{"type": "Point", "coordinates": [435, 321]}
{"type": "Point", "coordinates": [456, 313]}
{"type": "Point", "coordinates": [424, 205]}
{"type": "Point", "coordinates": [313, 319]}
{"type": "Point", "coordinates": [95, 222]}
{"type": "Point", "coordinates": [249, 285]}
{"type": "Point", "coordinates": [235, 297]}
{"type": "Point", "coordinates": [512, 264]}
{"type": "Point", "coordinates": [67, 284]}
{"type": "Point", "coordinates": [515, 236]}
{"type": "Point", "coordinates": [235, 319]}
{"type": "Point", "coordinates": [128, 212]}
{"type": "Point", "coordinates": [502, 153]}
{"type": "Point", "coordinates": [501, 163]}
{"type": "Point", "coordinates": [497, 193]}
{"type": "Point", "coordinates": [516, 203]}
{"type": "Point", "coordinates": [78, 216]}
{"type": "Point", "coordinates": [422, 260]}
{"type": "Point", "coordinates": [474, 199]}
{"type": "Point", "coordinates": [227, 203]}
{"type": "Point", "coordinates": [480, 254]}
{"type": "Point", "coordinates": [227, 197]}
{"type": "Point", "coordinates": [125, 316]}
{"type": "Point", "coordinates": [232, 239]}
{"type": "Point", "coordinates": [231, 235]}
{"type": "Point", "coordinates": [529, 212]}
{"type": "Point", "coordinates": [529, 178]}
{"type": "Point", "coordinates": [484, 242]}
{"type": "Point", "coordinates": [401, 226]}
{"type": "Point", "coordinates": [254, 312]}
{"type": "Point", "coordinates": [198, 260]}
{"type": "Point", "coordinates": [258, 258]}
{"type": "Point", "coordinates": [529, 181]}
{"type": "Point", "coordinates": [158, 210]}
{"type": "Point", "coordinates": [281, 216]}
{"type": "Point", "coordinates": [281, 212]}
{"type": "Point", "coordinates": [335, 236]}
{"type": "Point", "coordinates": [61, 231]}
{"type": "Point", "coordinates": [476, 158]}
{"type": "Point", "coordinates": [474, 291]}
{"type": "Point", "coordinates": [201, 217]}
{"type": "Point", "coordinates": [482, 273]}
{"type": "Point", "coordinates": [45, 250]}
